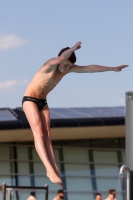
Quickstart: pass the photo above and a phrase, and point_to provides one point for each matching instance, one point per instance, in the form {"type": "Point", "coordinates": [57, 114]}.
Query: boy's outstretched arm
{"type": "Point", "coordinates": [96, 68]}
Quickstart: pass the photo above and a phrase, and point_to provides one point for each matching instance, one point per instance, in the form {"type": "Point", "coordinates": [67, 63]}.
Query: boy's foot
{"type": "Point", "coordinates": [54, 178]}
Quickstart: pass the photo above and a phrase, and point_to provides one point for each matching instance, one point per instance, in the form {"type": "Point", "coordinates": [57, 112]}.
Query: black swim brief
{"type": "Point", "coordinates": [39, 102]}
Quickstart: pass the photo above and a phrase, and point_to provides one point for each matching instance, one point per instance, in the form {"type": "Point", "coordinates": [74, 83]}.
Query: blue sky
{"type": "Point", "coordinates": [32, 31]}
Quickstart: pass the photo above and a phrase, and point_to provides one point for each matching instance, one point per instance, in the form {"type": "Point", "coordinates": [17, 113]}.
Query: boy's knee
{"type": "Point", "coordinates": [38, 133]}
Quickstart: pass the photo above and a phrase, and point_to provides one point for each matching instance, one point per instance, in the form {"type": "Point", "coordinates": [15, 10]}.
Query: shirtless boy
{"type": "Point", "coordinates": [35, 104]}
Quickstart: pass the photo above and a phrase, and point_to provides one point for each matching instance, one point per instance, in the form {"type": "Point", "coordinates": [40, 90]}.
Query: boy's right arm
{"type": "Point", "coordinates": [53, 62]}
{"type": "Point", "coordinates": [66, 54]}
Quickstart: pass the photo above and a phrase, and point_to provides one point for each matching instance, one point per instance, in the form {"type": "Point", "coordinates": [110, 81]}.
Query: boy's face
{"type": "Point", "coordinates": [61, 195]}
{"type": "Point", "coordinates": [65, 67]}
{"type": "Point", "coordinates": [98, 197]}
{"type": "Point", "coordinates": [111, 197]}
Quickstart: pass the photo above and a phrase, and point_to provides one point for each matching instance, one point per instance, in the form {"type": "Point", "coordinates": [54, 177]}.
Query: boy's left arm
{"type": "Point", "coordinates": [95, 68]}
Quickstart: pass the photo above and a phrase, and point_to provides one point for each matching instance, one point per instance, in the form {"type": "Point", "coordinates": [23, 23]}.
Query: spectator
{"type": "Point", "coordinates": [98, 196]}
{"type": "Point", "coordinates": [111, 194]}
{"type": "Point", "coordinates": [32, 196]}
{"type": "Point", "coordinates": [60, 195]}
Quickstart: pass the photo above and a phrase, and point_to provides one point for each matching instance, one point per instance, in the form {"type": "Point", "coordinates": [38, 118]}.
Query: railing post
{"type": "Point", "coordinates": [3, 191]}
{"type": "Point", "coordinates": [46, 192]}
{"type": "Point", "coordinates": [129, 137]}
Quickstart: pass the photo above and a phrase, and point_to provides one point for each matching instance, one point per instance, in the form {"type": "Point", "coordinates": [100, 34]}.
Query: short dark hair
{"type": "Point", "coordinates": [60, 191]}
{"type": "Point", "coordinates": [72, 57]}
{"type": "Point", "coordinates": [98, 194]}
{"type": "Point", "coordinates": [32, 194]}
{"type": "Point", "coordinates": [112, 191]}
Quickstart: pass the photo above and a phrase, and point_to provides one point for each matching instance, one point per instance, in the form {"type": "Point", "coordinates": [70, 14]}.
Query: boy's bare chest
{"type": "Point", "coordinates": [50, 79]}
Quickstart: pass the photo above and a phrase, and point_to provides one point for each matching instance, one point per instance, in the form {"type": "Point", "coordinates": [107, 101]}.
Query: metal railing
{"type": "Point", "coordinates": [126, 168]}
{"type": "Point", "coordinates": [5, 188]}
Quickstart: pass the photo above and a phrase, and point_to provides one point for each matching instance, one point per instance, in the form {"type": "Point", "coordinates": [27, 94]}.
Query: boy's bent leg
{"type": "Point", "coordinates": [34, 119]}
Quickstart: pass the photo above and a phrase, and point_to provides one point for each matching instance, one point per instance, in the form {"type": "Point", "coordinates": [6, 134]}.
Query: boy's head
{"type": "Point", "coordinates": [111, 194]}
{"type": "Point", "coordinates": [61, 194]}
{"type": "Point", "coordinates": [32, 194]}
{"type": "Point", "coordinates": [98, 196]}
{"type": "Point", "coordinates": [112, 191]}
{"type": "Point", "coordinates": [72, 57]}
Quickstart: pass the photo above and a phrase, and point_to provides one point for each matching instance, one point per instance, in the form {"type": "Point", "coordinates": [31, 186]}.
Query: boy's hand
{"type": "Point", "coordinates": [77, 46]}
{"type": "Point", "coordinates": [119, 68]}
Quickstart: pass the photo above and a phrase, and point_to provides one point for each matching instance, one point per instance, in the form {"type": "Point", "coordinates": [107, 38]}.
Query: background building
{"type": "Point", "coordinates": [89, 146]}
